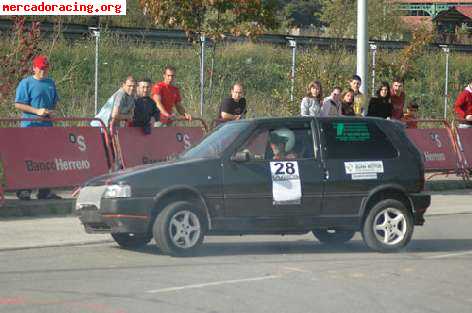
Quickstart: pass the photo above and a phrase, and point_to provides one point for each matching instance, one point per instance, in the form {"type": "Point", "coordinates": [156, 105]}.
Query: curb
{"type": "Point", "coordinates": [441, 185]}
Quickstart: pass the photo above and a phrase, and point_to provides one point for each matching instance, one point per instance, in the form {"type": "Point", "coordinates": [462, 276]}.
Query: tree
{"type": "Point", "coordinates": [214, 18]}
{"type": "Point", "coordinates": [303, 13]}
{"type": "Point", "coordinates": [405, 64]}
{"type": "Point", "coordinates": [340, 17]}
{"type": "Point", "coordinates": [16, 60]}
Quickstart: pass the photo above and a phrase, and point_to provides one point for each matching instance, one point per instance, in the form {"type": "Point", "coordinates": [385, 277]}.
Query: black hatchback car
{"type": "Point", "coordinates": [330, 176]}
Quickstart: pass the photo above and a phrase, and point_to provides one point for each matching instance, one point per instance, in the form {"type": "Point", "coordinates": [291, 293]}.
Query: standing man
{"type": "Point", "coordinates": [119, 107]}
{"type": "Point", "coordinates": [332, 104]}
{"type": "Point", "coordinates": [145, 107]}
{"type": "Point", "coordinates": [359, 99]}
{"type": "Point", "coordinates": [36, 97]}
{"type": "Point", "coordinates": [397, 97]}
{"type": "Point", "coordinates": [167, 96]}
{"type": "Point", "coordinates": [463, 107]}
{"type": "Point", "coordinates": [233, 107]}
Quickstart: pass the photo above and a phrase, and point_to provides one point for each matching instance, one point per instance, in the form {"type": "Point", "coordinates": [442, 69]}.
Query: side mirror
{"type": "Point", "coordinates": [242, 156]}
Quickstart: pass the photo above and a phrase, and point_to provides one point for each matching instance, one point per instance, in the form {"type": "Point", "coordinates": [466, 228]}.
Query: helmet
{"type": "Point", "coordinates": [283, 135]}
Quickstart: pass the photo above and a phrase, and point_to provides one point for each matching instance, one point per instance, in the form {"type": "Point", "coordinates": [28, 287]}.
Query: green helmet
{"type": "Point", "coordinates": [283, 135]}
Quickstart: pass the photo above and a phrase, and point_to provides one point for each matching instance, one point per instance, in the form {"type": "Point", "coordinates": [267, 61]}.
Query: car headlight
{"type": "Point", "coordinates": [117, 191]}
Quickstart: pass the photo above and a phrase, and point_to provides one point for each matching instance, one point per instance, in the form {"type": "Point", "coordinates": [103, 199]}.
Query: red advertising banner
{"type": "Point", "coordinates": [161, 144]}
{"type": "Point", "coordinates": [436, 146]}
{"type": "Point", "coordinates": [41, 157]}
{"type": "Point", "coordinates": [465, 142]}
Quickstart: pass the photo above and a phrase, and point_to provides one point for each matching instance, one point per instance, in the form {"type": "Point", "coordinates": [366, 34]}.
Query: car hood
{"type": "Point", "coordinates": [140, 170]}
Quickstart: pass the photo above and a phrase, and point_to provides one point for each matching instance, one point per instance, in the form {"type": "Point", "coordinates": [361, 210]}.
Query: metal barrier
{"type": "Point", "coordinates": [52, 157]}
{"type": "Point", "coordinates": [439, 148]}
{"type": "Point", "coordinates": [132, 147]}
{"type": "Point", "coordinates": [464, 144]}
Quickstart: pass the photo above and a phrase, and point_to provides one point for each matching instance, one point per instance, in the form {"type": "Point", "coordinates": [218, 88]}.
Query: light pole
{"type": "Point", "coordinates": [446, 50]}
{"type": "Point", "coordinates": [373, 48]}
{"type": "Point", "coordinates": [96, 33]}
{"type": "Point", "coordinates": [362, 41]}
{"type": "Point", "coordinates": [292, 44]}
{"type": "Point", "coordinates": [202, 73]}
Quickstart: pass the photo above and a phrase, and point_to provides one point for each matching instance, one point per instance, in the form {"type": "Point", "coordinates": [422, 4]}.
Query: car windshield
{"type": "Point", "coordinates": [216, 142]}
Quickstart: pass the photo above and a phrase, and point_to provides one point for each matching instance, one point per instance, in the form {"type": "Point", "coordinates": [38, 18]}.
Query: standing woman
{"type": "Point", "coordinates": [347, 103]}
{"type": "Point", "coordinates": [381, 106]}
{"type": "Point", "coordinates": [311, 104]}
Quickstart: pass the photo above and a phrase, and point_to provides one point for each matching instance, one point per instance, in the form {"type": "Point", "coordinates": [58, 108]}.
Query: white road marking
{"type": "Point", "coordinates": [443, 256]}
{"type": "Point", "coordinates": [295, 269]}
{"type": "Point", "coordinates": [216, 283]}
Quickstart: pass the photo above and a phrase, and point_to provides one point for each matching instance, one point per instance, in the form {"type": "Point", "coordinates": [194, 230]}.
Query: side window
{"type": "Point", "coordinates": [356, 140]}
{"type": "Point", "coordinates": [281, 143]}
{"type": "Point", "coordinates": [256, 145]}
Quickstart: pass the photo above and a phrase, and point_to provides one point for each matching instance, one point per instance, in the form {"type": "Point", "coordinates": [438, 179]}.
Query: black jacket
{"type": "Point", "coordinates": [380, 107]}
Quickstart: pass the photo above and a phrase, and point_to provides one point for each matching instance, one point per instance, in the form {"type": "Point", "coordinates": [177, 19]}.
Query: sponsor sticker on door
{"type": "Point", "coordinates": [364, 170]}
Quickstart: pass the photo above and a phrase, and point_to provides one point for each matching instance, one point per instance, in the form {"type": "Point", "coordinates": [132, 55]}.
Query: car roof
{"type": "Point", "coordinates": [308, 118]}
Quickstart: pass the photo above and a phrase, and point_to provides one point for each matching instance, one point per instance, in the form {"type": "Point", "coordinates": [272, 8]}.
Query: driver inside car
{"type": "Point", "coordinates": [282, 141]}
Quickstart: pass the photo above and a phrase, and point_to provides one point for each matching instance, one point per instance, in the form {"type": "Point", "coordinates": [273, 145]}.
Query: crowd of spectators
{"type": "Point", "coordinates": [388, 102]}
{"type": "Point", "coordinates": [142, 104]}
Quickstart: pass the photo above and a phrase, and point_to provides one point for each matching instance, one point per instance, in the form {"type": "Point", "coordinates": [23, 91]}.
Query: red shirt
{"type": "Point", "coordinates": [463, 105]}
{"type": "Point", "coordinates": [398, 103]}
{"type": "Point", "coordinates": [170, 96]}
{"type": "Point", "coordinates": [407, 119]}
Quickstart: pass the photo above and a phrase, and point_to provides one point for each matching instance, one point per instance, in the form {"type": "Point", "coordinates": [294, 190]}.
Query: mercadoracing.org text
{"type": "Point", "coordinates": [63, 7]}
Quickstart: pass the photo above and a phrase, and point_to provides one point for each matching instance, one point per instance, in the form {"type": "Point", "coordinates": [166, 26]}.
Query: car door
{"type": "Point", "coordinates": [355, 153]}
{"type": "Point", "coordinates": [266, 187]}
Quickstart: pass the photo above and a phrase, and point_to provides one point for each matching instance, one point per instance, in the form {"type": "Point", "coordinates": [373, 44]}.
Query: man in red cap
{"type": "Point", "coordinates": [36, 97]}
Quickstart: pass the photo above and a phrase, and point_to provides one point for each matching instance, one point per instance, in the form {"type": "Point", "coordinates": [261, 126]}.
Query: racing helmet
{"type": "Point", "coordinates": [283, 135]}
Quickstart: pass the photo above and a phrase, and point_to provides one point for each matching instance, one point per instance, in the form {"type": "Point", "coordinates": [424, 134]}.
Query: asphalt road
{"type": "Point", "coordinates": [248, 274]}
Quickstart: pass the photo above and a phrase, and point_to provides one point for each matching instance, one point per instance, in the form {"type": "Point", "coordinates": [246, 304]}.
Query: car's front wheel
{"type": "Point", "coordinates": [179, 229]}
{"type": "Point", "coordinates": [130, 241]}
{"type": "Point", "coordinates": [333, 236]}
{"type": "Point", "coordinates": [388, 226]}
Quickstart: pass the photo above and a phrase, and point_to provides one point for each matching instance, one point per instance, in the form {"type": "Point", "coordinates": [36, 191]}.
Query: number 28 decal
{"type": "Point", "coordinates": [284, 170]}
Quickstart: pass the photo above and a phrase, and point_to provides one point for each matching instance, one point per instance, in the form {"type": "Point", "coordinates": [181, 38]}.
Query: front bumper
{"type": "Point", "coordinates": [116, 215]}
{"type": "Point", "coordinates": [420, 202]}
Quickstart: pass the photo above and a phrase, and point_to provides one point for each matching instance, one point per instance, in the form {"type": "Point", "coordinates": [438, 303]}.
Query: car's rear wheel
{"type": "Point", "coordinates": [388, 226]}
{"type": "Point", "coordinates": [179, 229]}
{"type": "Point", "coordinates": [333, 236]}
{"type": "Point", "coordinates": [129, 241]}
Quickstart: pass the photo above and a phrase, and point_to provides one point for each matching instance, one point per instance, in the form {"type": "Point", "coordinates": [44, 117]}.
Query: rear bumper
{"type": "Point", "coordinates": [420, 202]}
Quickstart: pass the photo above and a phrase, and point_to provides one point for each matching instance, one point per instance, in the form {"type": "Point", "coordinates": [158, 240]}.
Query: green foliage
{"type": "Point", "coordinates": [303, 13]}
{"type": "Point", "coordinates": [15, 58]}
{"type": "Point", "coordinates": [340, 18]}
{"type": "Point", "coordinates": [264, 69]}
{"type": "Point", "coordinates": [406, 65]}
{"type": "Point", "coordinates": [214, 18]}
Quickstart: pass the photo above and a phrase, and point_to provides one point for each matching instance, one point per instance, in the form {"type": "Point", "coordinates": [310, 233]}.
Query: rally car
{"type": "Point", "coordinates": [329, 176]}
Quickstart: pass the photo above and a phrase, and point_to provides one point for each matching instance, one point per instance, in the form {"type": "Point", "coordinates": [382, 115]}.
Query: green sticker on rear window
{"type": "Point", "coordinates": [351, 131]}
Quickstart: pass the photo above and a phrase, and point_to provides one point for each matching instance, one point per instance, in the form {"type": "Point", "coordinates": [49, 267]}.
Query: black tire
{"type": "Point", "coordinates": [129, 241]}
{"type": "Point", "coordinates": [388, 234]}
{"type": "Point", "coordinates": [333, 236]}
{"type": "Point", "coordinates": [174, 235]}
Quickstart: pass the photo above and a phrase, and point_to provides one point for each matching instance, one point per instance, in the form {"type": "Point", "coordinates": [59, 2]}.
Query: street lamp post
{"type": "Point", "coordinates": [373, 48]}
{"type": "Point", "coordinates": [202, 73]}
{"type": "Point", "coordinates": [96, 33]}
{"type": "Point", "coordinates": [292, 44]}
{"type": "Point", "coordinates": [446, 50]}
{"type": "Point", "coordinates": [362, 42]}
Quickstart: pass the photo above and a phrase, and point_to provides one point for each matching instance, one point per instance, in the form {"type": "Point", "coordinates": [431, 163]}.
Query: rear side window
{"type": "Point", "coordinates": [356, 140]}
